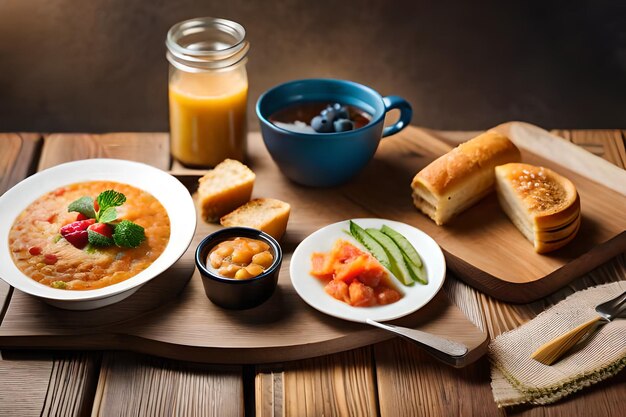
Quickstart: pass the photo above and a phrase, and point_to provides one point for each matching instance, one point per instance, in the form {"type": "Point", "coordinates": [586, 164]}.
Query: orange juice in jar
{"type": "Point", "coordinates": [208, 91]}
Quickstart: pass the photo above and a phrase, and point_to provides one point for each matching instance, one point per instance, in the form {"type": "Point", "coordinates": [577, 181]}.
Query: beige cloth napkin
{"type": "Point", "coordinates": [517, 379]}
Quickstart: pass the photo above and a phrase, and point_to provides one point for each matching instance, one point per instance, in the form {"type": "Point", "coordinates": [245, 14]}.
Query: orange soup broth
{"type": "Point", "coordinates": [80, 269]}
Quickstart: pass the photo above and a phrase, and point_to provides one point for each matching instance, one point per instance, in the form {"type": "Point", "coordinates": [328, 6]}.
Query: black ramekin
{"type": "Point", "coordinates": [238, 294]}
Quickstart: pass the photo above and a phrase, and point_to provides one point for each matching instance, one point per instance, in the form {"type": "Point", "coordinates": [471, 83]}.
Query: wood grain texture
{"type": "Point", "coordinates": [149, 148]}
{"type": "Point", "coordinates": [411, 384]}
{"type": "Point", "coordinates": [339, 385]}
{"type": "Point", "coordinates": [17, 157]}
{"type": "Point", "coordinates": [17, 153]}
{"type": "Point", "coordinates": [23, 387]}
{"type": "Point", "coordinates": [57, 384]}
{"type": "Point", "coordinates": [145, 386]}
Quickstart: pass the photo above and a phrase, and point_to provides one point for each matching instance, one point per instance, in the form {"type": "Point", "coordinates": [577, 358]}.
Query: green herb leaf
{"type": "Point", "coordinates": [128, 234]}
{"type": "Point", "coordinates": [110, 198]}
{"type": "Point", "coordinates": [96, 239]}
{"type": "Point", "coordinates": [83, 205]}
{"type": "Point", "coordinates": [108, 215]}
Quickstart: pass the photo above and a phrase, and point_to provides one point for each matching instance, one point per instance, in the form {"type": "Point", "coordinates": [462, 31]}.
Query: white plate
{"type": "Point", "coordinates": [311, 289]}
{"type": "Point", "coordinates": [168, 190]}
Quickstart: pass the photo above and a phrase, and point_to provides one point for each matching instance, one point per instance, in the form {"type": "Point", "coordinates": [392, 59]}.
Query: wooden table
{"type": "Point", "coordinates": [392, 378]}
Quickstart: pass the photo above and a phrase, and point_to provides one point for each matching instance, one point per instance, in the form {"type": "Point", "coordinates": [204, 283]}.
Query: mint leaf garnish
{"type": "Point", "coordinates": [83, 205]}
{"type": "Point", "coordinates": [107, 201]}
{"type": "Point", "coordinates": [96, 239]}
{"type": "Point", "coordinates": [128, 234]}
{"type": "Point", "coordinates": [108, 215]}
{"type": "Point", "coordinates": [110, 198]}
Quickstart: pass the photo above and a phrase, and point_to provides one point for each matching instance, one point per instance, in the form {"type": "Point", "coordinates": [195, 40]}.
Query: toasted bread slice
{"type": "Point", "coordinates": [542, 204]}
{"type": "Point", "coordinates": [224, 188]}
{"type": "Point", "coordinates": [266, 214]}
{"type": "Point", "coordinates": [458, 179]}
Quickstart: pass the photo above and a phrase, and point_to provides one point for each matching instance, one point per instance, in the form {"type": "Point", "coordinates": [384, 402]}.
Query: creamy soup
{"type": "Point", "coordinates": [41, 253]}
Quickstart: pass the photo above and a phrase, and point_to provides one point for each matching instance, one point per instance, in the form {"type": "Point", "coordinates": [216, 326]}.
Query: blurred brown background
{"type": "Point", "coordinates": [72, 65]}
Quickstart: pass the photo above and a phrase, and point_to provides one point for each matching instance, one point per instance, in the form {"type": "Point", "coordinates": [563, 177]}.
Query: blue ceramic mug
{"type": "Point", "coordinates": [327, 159]}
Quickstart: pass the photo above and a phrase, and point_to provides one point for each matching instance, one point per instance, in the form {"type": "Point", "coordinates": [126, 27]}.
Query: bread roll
{"type": "Point", "coordinates": [266, 214]}
{"type": "Point", "coordinates": [224, 188]}
{"type": "Point", "coordinates": [458, 179]}
{"type": "Point", "coordinates": [542, 204]}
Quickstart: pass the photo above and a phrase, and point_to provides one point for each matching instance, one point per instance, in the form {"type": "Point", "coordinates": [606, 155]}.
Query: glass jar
{"type": "Point", "coordinates": [208, 90]}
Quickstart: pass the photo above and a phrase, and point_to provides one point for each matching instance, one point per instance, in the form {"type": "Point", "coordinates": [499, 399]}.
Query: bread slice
{"type": "Point", "coordinates": [542, 204]}
{"type": "Point", "coordinates": [224, 188]}
{"type": "Point", "coordinates": [458, 179]}
{"type": "Point", "coordinates": [549, 246]}
{"type": "Point", "coordinates": [266, 214]}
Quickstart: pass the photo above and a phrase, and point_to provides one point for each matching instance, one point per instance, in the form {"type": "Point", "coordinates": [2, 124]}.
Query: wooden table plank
{"type": "Point", "coordinates": [139, 385]}
{"type": "Point", "coordinates": [23, 387]}
{"type": "Point", "coordinates": [336, 385]}
{"type": "Point", "coordinates": [607, 144]}
{"type": "Point", "coordinates": [17, 153]}
{"type": "Point", "coordinates": [411, 383]}
{"type": "Point", "coordinates": [149, 148]}
{"type": "Point", "coordinates": [69, 382]}
{"type": "Point", "coordinates": [17, 158]}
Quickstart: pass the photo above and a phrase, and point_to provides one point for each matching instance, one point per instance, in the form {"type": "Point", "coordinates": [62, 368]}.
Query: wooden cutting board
{"type": "Point", "coordinates": [171, 315]}
{"type": "Point", "coordinates": [482, 246]}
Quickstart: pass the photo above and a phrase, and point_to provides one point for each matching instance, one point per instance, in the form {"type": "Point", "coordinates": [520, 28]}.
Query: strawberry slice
{"type": "Point", "coordinates": [102, 228]}
{"type": "Point", "coordinates": [76, 232]}
{"type": "Point", "coordinates": [100, 234]}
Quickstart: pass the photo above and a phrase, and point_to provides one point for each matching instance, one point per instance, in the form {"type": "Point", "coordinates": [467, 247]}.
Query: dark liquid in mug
{"type": "Point", "coordinates": [297, 117]}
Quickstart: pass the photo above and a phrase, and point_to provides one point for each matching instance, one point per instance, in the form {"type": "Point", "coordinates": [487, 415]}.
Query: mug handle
{"type": "Point", "coordinates": [396, 102]}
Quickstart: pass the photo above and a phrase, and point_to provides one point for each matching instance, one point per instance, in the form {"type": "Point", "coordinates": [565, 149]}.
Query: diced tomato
{"type": "Point", "coordinates": [35, 250]}
{"type": "Point", "coordinates": [96, 206]}
{"type": "Point", "coordinates": [348, 271]}
{"type": "Point", "coordinates": [321, 267]}
{"type": "Point", "coordinates": [386, 295]}
{"type": "Point", "coordinates": [81, 216]}
{"type": "Point", "coordinates": [345, 252]}
{"type": "Point", "coordinates": [50, 259]}
{"type": "Point", "coordinates": [338, 290]}
{"type": "Point", "coordinates": [355, 277]}
{"type": "Point", "coordinates": [361, 295]}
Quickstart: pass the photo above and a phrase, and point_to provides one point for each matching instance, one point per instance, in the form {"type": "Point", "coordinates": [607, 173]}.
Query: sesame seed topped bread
{"type": "Point", "coordinates": [542, 204]}
{"type": "Point", "coordinates": [458, 179]}
{"type": "Point", "coordinates": [266, 214]}
{"type": "Point", "coordinates": [224, 188]}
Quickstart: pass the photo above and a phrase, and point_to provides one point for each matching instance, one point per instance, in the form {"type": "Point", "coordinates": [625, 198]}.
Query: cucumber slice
{"type": "Point", "coordinates": [417, 272]}
{"type": "Point", "coordinates": [398, 266]}
{"type": "Point", "coordinates": [373, 246]}
{"type": "Point", "coordinates": [403, 243]}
